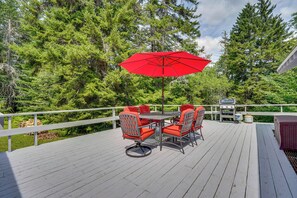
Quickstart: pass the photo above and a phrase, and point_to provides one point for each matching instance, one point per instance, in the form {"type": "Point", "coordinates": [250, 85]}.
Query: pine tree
{"type": "Point", "coordinates": [8, 35]}
{"type": "Point", "coordinates": [68, 48]}
{"type": "Point", "coordinates": [257, 44]}
{"type": "Point", "coordinates": [240, 47]}
{"type": "Point", "coordinates": [170, 25]}
{"type": "Point", "coordinates": [272, 34]}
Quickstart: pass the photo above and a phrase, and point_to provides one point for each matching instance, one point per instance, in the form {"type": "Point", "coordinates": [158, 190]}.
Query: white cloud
{"type": "Point", "coordinates": [212, 46]}
{"type": "Point", "coordinates": [220, 15]}
{"type": "Point", "coordinates": [287, 12]}
{"type": "Point", "coordinates": [215, 12]}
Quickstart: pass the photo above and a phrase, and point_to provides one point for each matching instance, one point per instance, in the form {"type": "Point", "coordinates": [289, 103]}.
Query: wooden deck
{"type": "Point", "coordinates": [235, 160]}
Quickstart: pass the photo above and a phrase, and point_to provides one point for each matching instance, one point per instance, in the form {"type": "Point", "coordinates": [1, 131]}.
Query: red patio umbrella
{"type": "Point", "coordinates": [164, 64]}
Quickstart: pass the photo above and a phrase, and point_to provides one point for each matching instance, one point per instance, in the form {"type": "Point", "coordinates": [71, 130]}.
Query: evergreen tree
{"type": "Point", "coordinates": [170, 25]}
{"type": "Point", "coordinates": [68, 48]}
{"type": "Point", "coordinates": [257, 44]}
{"type": "Point", "coordinates": [293, 21]}
{"type": "Point", "coordinates": [8, 36]}
{"type": "Point", "coordinates": [240, 47]}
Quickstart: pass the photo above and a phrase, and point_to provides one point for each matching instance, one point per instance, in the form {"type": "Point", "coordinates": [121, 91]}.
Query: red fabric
{"type": "Point", "coordinates": [144, 134]}
{"type": "Point", "coordinates": [196, 112]}
{"type": "Point", "coordinates": [144, 109]}
{"type": "Point", "coordinates": [131, 109]}
{"type": "Point", "coordinates": [173, 130]}
{"type": "Point", "coordinates": [144, 121]}
{"type": "Point", "coordinates": [182, 116]}
{"type": "Point", "coordinates": [162, 64]}
{"type": "Point", "coordinates": [186, 106]}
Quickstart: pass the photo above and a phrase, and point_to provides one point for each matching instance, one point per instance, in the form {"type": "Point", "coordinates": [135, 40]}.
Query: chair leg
{"type": "Point", "coordinates": [160, 141]}
{"type": "Point", "coordinates": [194, 138]}
{"type": "Point", "coordinates": [201, 134]}
{"type": "Point", "coordinates": [181, 145]}
{"type": "Point", "coordinates": [191, 140]}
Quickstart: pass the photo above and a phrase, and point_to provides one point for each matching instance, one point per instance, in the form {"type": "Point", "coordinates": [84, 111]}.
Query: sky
{"type": "Point", "coordinates": [220, 15]}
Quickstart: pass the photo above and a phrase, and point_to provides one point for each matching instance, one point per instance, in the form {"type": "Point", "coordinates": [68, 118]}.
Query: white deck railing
{"type": "Point", "coordinates": [213, 110]}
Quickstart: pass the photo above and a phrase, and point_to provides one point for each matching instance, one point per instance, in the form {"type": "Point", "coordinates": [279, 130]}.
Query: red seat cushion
{"type": "Point", "coordinates": [173, 130]}
{"type": "Point", "coordinates": [144, 121]}
{"type": "Point", "coordinates": [144, 134]}
{"type": "Point", "coordinates": [144, 109]}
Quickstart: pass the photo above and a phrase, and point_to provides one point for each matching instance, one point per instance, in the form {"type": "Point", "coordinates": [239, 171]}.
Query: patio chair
{"type": "Point", "coordinates": [131, 109]}
{"type": "Point", "coordinates": [186, 106]}
{"type": "Point", "coordinates": [182, 108]}
{"type": "Point", "coordinates": [180, 129]}
{"type": "Point", "coordinates": [132, 129]}
{"type": "Point", "coordinates": [197, 122]}
{"type": "Point", "coordinates": [144, 109]}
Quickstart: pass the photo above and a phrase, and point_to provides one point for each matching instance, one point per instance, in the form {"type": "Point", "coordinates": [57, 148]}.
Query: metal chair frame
{"type": "Point", "coordinates": [129, 126]}
{"type": "Point", "coordinates": [198, 124]}
{"type": "Point", "coordinates": [185, 131]}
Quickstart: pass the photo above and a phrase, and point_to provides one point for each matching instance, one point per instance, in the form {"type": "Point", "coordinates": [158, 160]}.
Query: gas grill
{"type": "Point", "coordinates": [227, 108]}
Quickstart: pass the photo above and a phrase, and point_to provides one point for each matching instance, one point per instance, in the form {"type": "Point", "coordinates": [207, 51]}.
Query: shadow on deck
{"type": "Point", "coordinates": [227, 164]}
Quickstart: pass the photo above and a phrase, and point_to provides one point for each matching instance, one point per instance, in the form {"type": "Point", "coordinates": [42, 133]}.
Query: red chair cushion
{"type": "Point", "coordinates": [131, 109]}
{"type": "Point", "coordinates": [182, 116]}
{"type": "Point", "coordinates": [173, 130]}
{"type": "Point", "coordinates": [144, 122]}
{"type": "Point", "coordinates": [144, 134]}
{"type": "Point", "coordinates": [196, 112]}
{"type": "Point", "coordinates": [186, 106]}
{"type": "Point", "coordinates": [144, 109]}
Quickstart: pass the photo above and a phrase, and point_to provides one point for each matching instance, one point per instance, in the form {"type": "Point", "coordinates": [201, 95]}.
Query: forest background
{"type": "Point", "coordinates": [58, 55]}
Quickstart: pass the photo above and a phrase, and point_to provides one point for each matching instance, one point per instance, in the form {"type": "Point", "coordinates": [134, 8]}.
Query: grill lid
{"type": "Point", "coordinates": [227, 101]}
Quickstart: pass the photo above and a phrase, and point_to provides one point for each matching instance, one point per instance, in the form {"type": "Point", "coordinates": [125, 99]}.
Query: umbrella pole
{"type": "Point", "coordinates": [162, 95]}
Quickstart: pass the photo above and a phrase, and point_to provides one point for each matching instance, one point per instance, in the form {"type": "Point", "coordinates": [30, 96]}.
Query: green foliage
{"type": "Point", "coordinates": [170, 25]}
{"type": "Point", "coordinates": [294, 20]}
{"type": "Point", "coordinates": [257, 44]}
{"type": "Point", "coordinates": [21, 141]}
{"type": "Point", "coordinates": [8, 35]}
{"type": "Point", "coordinates": [201, 88]}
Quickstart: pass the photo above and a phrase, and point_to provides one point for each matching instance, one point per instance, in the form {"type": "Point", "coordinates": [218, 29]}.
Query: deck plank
{"type": "Point", "coordinates": [266, 178]}
{"type": "Point", "coordinates": [286, 168]}
{"type": "Point", "coordinates": [234, 160]}
{"type": "Point", "coordinates": [279, 180]}
{"type": "Point", "coordinates": [253, 183]}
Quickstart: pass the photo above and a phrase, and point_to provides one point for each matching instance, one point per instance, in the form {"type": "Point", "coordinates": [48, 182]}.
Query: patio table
{"type": "Point", "coordinates": [159, 118]}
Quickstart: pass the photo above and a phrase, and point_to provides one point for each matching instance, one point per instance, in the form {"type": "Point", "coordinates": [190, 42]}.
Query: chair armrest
{"type": "Point", "coordinates": [149, 125]}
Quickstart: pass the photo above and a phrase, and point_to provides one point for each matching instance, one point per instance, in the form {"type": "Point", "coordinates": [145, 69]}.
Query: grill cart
{"type": "Point", "coordinates": [227, 108]}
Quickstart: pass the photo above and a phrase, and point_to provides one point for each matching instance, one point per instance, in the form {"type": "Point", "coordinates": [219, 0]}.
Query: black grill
{"type": "Point", "coordinates": [227, 108]}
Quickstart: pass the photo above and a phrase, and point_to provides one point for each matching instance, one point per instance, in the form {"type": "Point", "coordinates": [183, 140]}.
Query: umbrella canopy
{"type": "Point", "coordinates": [164, 64]}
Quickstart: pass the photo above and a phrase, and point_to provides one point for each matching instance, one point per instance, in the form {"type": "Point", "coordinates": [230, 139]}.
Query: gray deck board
{"type": "Point", "coordinates": [234, 160]}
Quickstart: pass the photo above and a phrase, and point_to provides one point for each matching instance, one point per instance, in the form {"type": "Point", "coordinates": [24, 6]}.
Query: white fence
{"type": "Point", "coordinates": [213, 110]}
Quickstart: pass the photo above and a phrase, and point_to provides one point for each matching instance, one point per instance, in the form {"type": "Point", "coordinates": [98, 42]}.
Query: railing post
{"type": "Point", "coordinates": [36, 132]}
{"type": "Point", "coordinates": [244, 108]}
{"type": "Point", "coordinates": [178, 108]}
{"type": "Point", "coordinates": [215, 113]}
{"type": "Point", "coordinates": [114, 122]}
{"type": "Point", "coordinates": [281, 108]}
{"type": "Point", "coordinates": [1, 122]}
{"type": "Point", "coordinates": [211, 113]}
{"type": "Point", "coordinates": [9, 137]}
{"type": "Point", "coordinates": [155, 108]}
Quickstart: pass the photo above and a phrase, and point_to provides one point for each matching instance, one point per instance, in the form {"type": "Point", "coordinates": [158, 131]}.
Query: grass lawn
{"type": "Point", "coordinates": [21, 141]}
